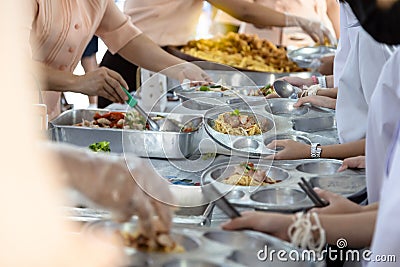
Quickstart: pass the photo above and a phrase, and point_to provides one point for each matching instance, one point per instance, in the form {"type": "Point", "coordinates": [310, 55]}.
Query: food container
{"type": "Point", "coordinates": [207, 247]}
{"type": "Point", "coordinates": [308, 57]}
{"type": "Point", "coordinates": [142, 143]}
{"type": "Point", "coordinates": [286, 195]}
{"type": "Point", "coordinates": [305, 124]}
{"type": "Point", "coordinates": [252, 145]}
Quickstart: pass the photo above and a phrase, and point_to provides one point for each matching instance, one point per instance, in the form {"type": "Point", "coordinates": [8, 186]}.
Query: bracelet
{"type": "Point", "coordinates": [322, 81]}
{"type": "Point", "coordinates": [315, 151]}
{"type": "Point", "coordinates": [301, 232]}
{"type": "Point", "coordinates": [314, 79]}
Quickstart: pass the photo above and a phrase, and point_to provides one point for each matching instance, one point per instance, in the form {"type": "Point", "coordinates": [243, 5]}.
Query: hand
{"type": "Point", "coordinates": [106, 180]}
{"type": "Point", "coordinates": [353, 162]}
{"type": "Point", "coordinates": [273, 95]}
{"type": "Point", "coordinates": [291, 150]}
{"type": "Point", "coordinates": [315, 29]}
{"type": "Point", "coordinates": [297, 81]}
{"type": "Point", "coordinates": [102, 82]}
{"type": "Point", "coordinates": [316, 100]}
{"type": "Point", "coordinates": [195, 74]}
{"type": "Point", "coordinates": [337, 204]}
{"type": "Point", "coordinates": [275, 224]}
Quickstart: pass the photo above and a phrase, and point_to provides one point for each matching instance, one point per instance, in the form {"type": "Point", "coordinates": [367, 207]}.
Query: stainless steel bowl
{"type": "Point", "coordinates": [279, 196]}
{"type": "Point", "coordinates": [314, 124]}
{"type": "Point", "coordinates": [284, 107]}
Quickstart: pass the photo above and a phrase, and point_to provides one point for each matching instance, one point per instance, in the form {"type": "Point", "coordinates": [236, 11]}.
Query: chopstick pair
{"type": "Point", "coordinates": [308, 189]}
{"type": "Point", "coordinates": [213, 194]}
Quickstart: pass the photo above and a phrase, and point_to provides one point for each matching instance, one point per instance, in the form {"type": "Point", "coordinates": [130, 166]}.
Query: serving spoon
{"type": "Point", "coordinates": [286, 90]}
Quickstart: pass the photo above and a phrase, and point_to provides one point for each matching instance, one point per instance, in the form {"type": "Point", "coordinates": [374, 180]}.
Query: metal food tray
{"type": "Point", "coordinates": [286, 196]}
{"type": "Point", "coordinates": [305, 124]}
{"type": "Point", "coordinates": [306, 56]}
{"type": "Point", "coordinates": [207, 247]}
{"type": "Point", "coordinates": [142, 143]}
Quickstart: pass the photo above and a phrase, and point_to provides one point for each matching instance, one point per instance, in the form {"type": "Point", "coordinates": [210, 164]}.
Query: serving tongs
{"type": "Point", "coordinates": [215, 196]}
{"type": "Point", "coordinates": [133, 103]}
{"type": "Point", "coordinates": [308, 189]}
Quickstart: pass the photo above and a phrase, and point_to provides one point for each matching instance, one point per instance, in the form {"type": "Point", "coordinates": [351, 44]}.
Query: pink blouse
{"type": "Point", "coordinates": [166, 22]}
{"type": "Point", "coordinates": [60, 30]}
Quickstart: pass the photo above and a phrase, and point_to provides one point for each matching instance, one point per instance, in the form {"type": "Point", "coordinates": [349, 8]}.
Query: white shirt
{"type": "Point", "coordinates": [383, 116]}
{"type": "Point", "coordinates": [357, 76]}
{"type": "Point", "coordinates": [386, 239]}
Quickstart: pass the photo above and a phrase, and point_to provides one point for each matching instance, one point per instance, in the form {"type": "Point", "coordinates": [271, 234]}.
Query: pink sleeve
{"type": "Point", "coordinates": [116, 29]}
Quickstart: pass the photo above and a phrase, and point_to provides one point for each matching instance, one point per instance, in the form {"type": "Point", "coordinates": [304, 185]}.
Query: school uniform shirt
{"type": "Point", "coordinates": [166, 22]}
{"type": "Point", "coordinates": [311, 9]}
{"type": "Point", "coordinates": [59, 32]}
{"type": "Point", "coordinates": [358, 77]}
{"type": "Point", "coordinates": [384, 113]}
{"type": "Point", "coordinates": [387, 231]}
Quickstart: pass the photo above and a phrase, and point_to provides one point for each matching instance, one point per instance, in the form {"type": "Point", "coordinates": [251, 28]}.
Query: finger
{"type": "Point", "coordinates": [300, 102]}
{"type": "Point", "coordinates": [145, 213]}
{"type": "Point", "coordinates": [109, 93]}
{"type": "Point", "coordinates": [242, 222]}
{"type": "Point", "coordinates": [327, 195]}
{"type": "Point", "coordinates": [163, 212]}
{"type": "Point", "coordinates": [343, 167]}
{"type": "Point", "coordinates": [119, 78]}
{"type": "Point", "coordinates": [273, 95]}
{"type": "Point", "coordinates": [206, 77]}
{"type": "Point", "coordinates": [119, 94]}
{"type": "Point", "coordinates": [276, 143]}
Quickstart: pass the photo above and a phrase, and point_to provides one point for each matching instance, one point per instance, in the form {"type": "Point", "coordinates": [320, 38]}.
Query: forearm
{"type": "Point", "coordinates": [145, 53]}
{"type": "Point", "coordinates": [329, 92]}
{"type": "Point", "coordinates": [50, 79]}
{"type": "Point", "coordinates": [329, 81]}
{"type": "Point", "coordinates": [357, 228]}
{"type": "Point", "coordinates": [342, 151]}
{"type": "Point", "coordinates": [333, 11]}
{"type": "Point", "coordinates": [254, 13]}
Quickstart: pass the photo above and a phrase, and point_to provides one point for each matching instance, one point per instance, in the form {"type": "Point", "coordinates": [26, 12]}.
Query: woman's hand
{"type": "Point", "coordinates": [188, 71]}
{"type": "Point", "coordinates": [316, 100]}
{"type": "Point", "coordinates": [353, 162]}
{"type": "Point", "coordinates": [125, 186]}
{"type": "Point", "coordinates": [318, 32]}
{"type": "Point", "coordinates": [291, 150]}
{"type": "Point", "coordinates": [337, 204]}
{"type": "Point", "coordinates": [101, 82]}
{"type": "Point", "coordinates": [275, 224]}
{"type": "Point", "coordinates": [297, 81]}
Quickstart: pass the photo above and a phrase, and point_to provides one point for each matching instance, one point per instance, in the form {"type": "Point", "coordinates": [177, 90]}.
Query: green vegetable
{"type": "Point", "coordinates": [103, 146]}
{"type": "Point", "coordinates": [204, 88]}
{"type": "Point", "coordinates": [236, 112]}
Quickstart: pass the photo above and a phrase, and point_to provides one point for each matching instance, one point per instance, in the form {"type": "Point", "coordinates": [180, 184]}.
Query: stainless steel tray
{"type": "Point", "coordinates": [86, 215]}
{"type": "Point", "coordinates": [207, 247]}
{"type": "Point", "coordinates": [286, 196]}
{"type": "Point", "coordinates": [141, 143]}
{"type": "Point", "coordinates": [305, 124]}
{"type": "Point", "coordinates": [306, 56]}
{"type": "Point", "coordinates": [205, 100]}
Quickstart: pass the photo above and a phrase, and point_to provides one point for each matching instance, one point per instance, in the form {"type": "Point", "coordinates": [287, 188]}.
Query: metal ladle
{"type": "Point", "coordinates": [286, 90]}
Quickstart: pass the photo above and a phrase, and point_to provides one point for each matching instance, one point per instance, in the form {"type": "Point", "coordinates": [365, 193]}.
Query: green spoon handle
{"type": "Point", "coordinates": [131, 100]}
